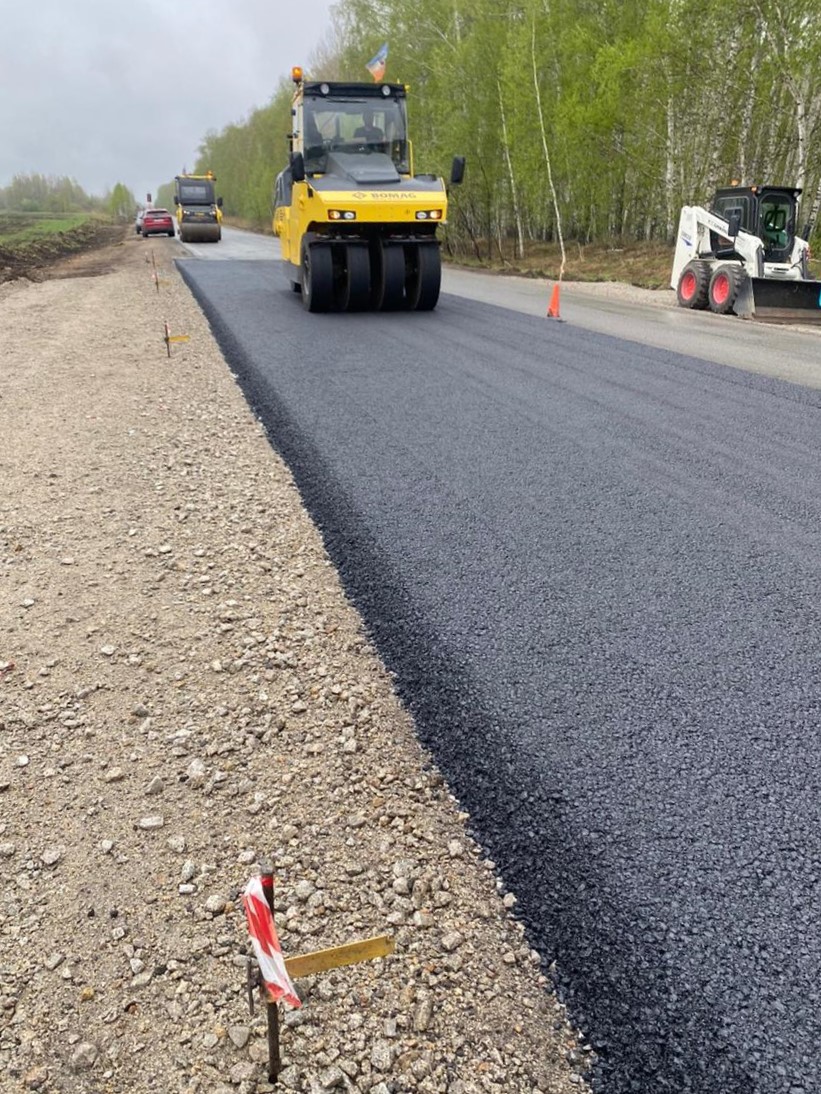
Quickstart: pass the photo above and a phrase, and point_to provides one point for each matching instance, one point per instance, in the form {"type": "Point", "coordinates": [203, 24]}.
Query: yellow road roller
{"type": "Point", "coordinates": [356, 226]}
{"type": "Point", "coordinates": [199, 210]}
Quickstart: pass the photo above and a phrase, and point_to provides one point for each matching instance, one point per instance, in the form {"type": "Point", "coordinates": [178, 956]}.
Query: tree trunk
{"type": "Point", "coordinates": [812, 215]}
{"type": "Point", "coordinates": [546, 150]}
{"type": "Point", "coordinates": [801, 132]}
{"type": "Point", "coordinates": [670, 171]}
{"type": "Point", "coordinates": [517, 215]}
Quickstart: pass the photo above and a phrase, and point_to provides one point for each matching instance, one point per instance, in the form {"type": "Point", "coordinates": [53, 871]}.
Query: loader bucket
{"type": "Point", "coordinates": [786, 301]}
{"type": "Point", "coordinates": [743, 304]}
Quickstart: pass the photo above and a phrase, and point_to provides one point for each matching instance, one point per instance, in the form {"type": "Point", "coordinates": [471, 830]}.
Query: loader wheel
{"type": "Point", "coordinates": [389, 277]}
{"type": "Point", "coordinates": [356, 286]}
{"type": "Point", "coordinates": [723, 288]}
{"type": "Point", "coordinates": [424, 268]}
{"type": "Point", "coordinates": [317, 277]}
{"type": "Point", "coordinates": [694, 284]}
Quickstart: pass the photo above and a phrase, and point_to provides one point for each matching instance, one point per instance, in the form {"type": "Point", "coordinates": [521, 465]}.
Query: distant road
{"type": "Point", "coordinates": [235, 244]}
{"type": "Point", "coordinates": [780, 352]}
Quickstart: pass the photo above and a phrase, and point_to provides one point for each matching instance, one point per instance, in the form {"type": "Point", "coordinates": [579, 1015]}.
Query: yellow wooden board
{"type": "Point", "coordinates": [178, 337]}
{"type": "Point", "coordinates": [307, 964]}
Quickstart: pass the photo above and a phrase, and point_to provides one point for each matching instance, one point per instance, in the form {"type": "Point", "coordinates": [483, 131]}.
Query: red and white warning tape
{"type": "Point", "coordinates": [266, 943]}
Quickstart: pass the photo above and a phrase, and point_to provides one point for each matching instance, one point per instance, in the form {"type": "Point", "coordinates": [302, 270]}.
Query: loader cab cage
{"type": "Point", "coordinates": [355, 121]}
{"type": "Point", "coordinates": [777, 220]}
{"type": "Point", "coordinates": [769, 213]}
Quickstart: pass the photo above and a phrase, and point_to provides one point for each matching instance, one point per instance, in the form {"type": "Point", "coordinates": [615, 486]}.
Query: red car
{"type": "Point", "coordinates": [157, 222]}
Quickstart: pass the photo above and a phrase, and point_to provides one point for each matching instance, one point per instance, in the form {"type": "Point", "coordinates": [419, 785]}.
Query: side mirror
{"type": "Point", "coordinates": [176, 200]}
{"type": "Point", "coordinates": [219, 203]}
{"type": "Point", "coordinates": [457, 171]}
{"type": "Point", "coordinates": [297, 167]}
{"type": "Point", "coordinates": [734, 223]}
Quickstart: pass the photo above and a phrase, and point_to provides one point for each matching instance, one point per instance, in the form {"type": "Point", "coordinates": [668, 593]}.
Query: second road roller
{"type": "Point", "coordinates": [199, 210]}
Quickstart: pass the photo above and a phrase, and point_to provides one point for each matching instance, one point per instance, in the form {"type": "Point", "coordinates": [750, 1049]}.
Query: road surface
{"type": "Point", "coordinates": [593, 566]}
{"type": "Point", "coordinates": [634, 314]}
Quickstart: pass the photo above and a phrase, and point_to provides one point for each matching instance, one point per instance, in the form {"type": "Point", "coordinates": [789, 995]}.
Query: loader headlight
{"type": "Point", "coordinates": [341, 214]}
{"type": "Point", "coordinates": [386, 90]}
{"type": "Point", "coordinates": [324, 89]}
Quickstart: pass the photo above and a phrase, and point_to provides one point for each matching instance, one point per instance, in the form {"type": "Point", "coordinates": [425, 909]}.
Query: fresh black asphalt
{"type": "Point", "coordinates": [594, 568]}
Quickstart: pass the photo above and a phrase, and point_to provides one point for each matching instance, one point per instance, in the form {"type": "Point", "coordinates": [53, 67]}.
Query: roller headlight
{"type": "Point", "coordinates": [429, 214]}
{"type": "Point", "coordinates": [341, 214]}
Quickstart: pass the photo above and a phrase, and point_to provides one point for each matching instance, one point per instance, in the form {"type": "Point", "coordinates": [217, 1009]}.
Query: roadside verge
{"type": "Point", "coordinates": [184, 690]}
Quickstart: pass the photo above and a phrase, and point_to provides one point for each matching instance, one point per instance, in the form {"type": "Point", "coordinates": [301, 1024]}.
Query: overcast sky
{"type": "Point", "coordinates": [108, 91]}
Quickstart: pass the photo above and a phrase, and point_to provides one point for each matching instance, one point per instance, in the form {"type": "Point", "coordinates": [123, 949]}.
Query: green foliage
{"type": "Point", "coordinates": [165, 196]}
{"type": "Point", "coordinates": [648, 105]}
{"type": "Point", "coordinates": [121, 203]}
{"type": "Point", "coordinates": [46, 194]}
{"type": "Point", "coordinates": [20, 227]}
{"type": "Point", "coordinates": [246, 158]}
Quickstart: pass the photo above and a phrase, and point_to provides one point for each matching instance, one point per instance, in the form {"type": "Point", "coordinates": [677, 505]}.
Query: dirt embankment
{"type": "Point", "coordinates": [184, 690]}
{"type": "Point", "coordinates": [51, 256]}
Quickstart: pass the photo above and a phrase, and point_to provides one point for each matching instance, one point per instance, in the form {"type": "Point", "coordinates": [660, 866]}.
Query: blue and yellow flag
{"type": "Point", "coordinates": [378, 63]}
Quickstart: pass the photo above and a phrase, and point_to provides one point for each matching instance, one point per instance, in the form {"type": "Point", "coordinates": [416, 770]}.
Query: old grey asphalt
{"type": "Point", "coordinates": [593, 566]}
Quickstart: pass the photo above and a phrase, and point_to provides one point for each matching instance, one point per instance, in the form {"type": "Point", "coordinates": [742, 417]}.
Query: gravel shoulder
{"type": "Point", "coordinates": [185, 690]}
{"type": "Point", "coordinates": [597, 290]}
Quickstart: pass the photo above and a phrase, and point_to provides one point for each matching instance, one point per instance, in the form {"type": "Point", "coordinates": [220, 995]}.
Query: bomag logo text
{"type": "Point", "coordinates": [388, 195]}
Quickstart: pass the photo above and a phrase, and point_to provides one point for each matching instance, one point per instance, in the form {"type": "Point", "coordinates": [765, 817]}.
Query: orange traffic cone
{"type": "Point", "coordinates": [553, 306]}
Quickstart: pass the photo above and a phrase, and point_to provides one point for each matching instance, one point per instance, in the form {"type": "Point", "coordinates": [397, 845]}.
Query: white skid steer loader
{"type": "Point", "coordinates": [743, 255]}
